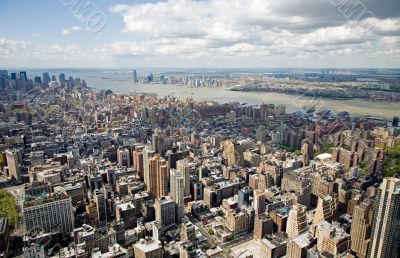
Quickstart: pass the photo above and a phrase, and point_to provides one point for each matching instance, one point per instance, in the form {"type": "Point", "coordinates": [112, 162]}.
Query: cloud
{"type": "Point", "coordinates": [259, 29]}
{"type": "Point", "coordinates": [70, 30]}
{"type": "Point", "coordinates": [245, 33]}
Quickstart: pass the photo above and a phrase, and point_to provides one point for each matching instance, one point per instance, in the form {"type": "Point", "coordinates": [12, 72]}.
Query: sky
{"type": "Point", "coordinates": [199, 33]}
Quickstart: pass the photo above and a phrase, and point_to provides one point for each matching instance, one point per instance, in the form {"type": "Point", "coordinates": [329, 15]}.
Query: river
{"type": "Point", "coordinates": [121, 81]}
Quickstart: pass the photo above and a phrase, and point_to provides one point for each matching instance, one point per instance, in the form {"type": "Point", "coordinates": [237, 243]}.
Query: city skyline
{"type": "Point", "coordinates": [208, 34]}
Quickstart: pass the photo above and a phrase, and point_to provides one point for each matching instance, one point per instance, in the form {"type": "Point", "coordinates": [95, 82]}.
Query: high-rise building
{"type": "Point", "coordinates": [237, 221]}
{"type": "Point", "coordinates": [37, 79]}
{"type": "Point", "coordinates": [46, 77]}
{"type": "Point", "coordinates": [263, 225]}
{"type": "Point", "coordinates": [297, 220]}
{"type": "Point", "coordinates": [259, 202]}
{"type": "Point", "coordinates": [158, 177]}
{"type": "Point", "coordinates": [100, 201]}
{"type": "Point", "coordinates": [138, 162]}
{"type": "Point", "coordinates": [165, 210]}
{"type": "Point", "coordinates": [13, 160]}
{"type": "Point", "coordinates": [61, 78]}
{"type": "Point", "coordinates": [385, 234]}
{"type": "Point", "coordinates": [307, 149]}
{"type": "Point", "coordinates": [148, 153]}
{"type": "Point", "coordinates": [188, 232]}
{"type": "Point", "coordinates": [244, 196]}
{"type": "Point", "coordinates": [135, 77]}
{"type": "Point", "coordinates": [361, 228]}
{"type": "Point", "coordinates": [233, 153]}
{"type": "Point", "coordinates": [177, 192]}
{"type": "Point", "coordinates": [157, 141]}
{"type": "Point", "coordinates": [13, 76]}
{"type": "Point", "coordinates": [126, 212]}
{"type": "Point", "coordinates": [148, 248]}
{"type": "Point", "coordinates": [183, 166]}
{"type": "Point", "coordinates": [326, 209]}
{"type": "Point", "coordinates": [395, 121]}
{"type": "Point", "coordinates": [48, 213]}
{"type": "Point", "coordinates": [332, 240]}
{"type": "Point", "coordinates": [23, 75]}
{"type": "Point", "coordinates": [124, 157]}
{"type": "Point", "coordinates": [3, 78]}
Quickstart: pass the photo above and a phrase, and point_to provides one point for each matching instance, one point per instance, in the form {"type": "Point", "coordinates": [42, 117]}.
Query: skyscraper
{"type": "Point", "coordinates": [46, 77]}
{"type": "Point", "coordinates": [13, 161]}
{"type": "Point", "coordinates": [158, 175]}
{"type": "Point", "coordinates": [183, 166]}
{"type": "Point", "coordinates": [50, 212]}
{"type": "Point", "coordinates": [395, 121]}
{"type": "Point", "coordinates": [13, 76]}
{"type": "Point", "coordinates": [135, 77]}
{"type": "Point", "coordinates": [157, 140]}
{"type": "Point", "coordinates": [148, 153]}
{"type": "Point", "coordinates": [259, 202]}
{"type": "Point", "coordinates": [385, 234]}
{"type": "Point", "coordinates": [165, 210]}
{"type": "Point", "coordinates": [297, 220]}
{"type": "Point", "coordinates": [100, 201]}
{"type": "Point", "coordinates": [124, 157]}
{"type": "Point", "coordinates": [23, 75]}
{"type": "Point", "coordinates": [244, 196]}
{"type": "Point", "coordinates": [361, 228]}
{"type": "Point", "coordinates": [177, 191]}
{"type": "Point", "coordinates": [61, 78]}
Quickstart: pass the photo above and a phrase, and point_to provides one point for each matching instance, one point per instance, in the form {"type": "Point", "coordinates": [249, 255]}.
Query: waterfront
{"type": "Point", "coordinates": [292, 102]}
{"type": "Point", "coordinates": [120, 81]}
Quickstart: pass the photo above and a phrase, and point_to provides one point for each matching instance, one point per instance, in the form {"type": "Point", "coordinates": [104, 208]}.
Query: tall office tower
{"type": "Point", "coordinates": [385, 234]}
{"type": "Point", "coordinates": [361, 228]}
{"type": "Point", "coordinates": [3, 78]}
{"type": "Point", "coordinates": [234, 153]}
{"type": "Point", "coordinates": [148, 153]}
{"type": "Point", "coordinates": [119, 229]}
{"type": "Point", "coordinates": [307, 149]}
{"type": "Point", "coordinates": [61, 78]}
{"type": "Point", "coordinates": [174, 155]}
{"type": "Point", "coordinates": [53, 78]}
{"type": "Point", "coordinates": [13, 76]}
{"type": "Point", "coordinates": [263, 225]}
{"type": "Point", "coordinates": [157, 141]}
{"type": "Point", "coordinates": [395, 121]}
{"type": "Point", "coordinates": [188, 232]}
{"type": "Point", "coordinates": [124, 157]}
{"type": "Point", "coordinates": [127, 213]}
{"type": "Point", "coordinates": [48, 212]}
{"type": "Point", "coordinates": [165, 210]}
{"type": "Point", "coordinates": [158, 177]}
{"type": "Point", "coordinates": [138, 162]}
{"type": "Point", "coordinates": [37, 79]}
{"type": "Point", "coordinates": [13, 160]}
{"type": "Point", "coordinates": [4, 74]}
{"type": "Point", "coordinates": [259, 202]}
{"type": "Point", "coordinates": [326, 209]}
{"type": "Point", "coordinates": [135, 77]}
{"type": "Point", "coordinates": [244, 196]}
{"type": "Point", "coordinates": [46, 77]}
{"type": "Point", "coordinates": [101, 207]}
{"type": "Point", "coordinates": [203, 172]}
{"type": "Point", "coordinates": [177, 185]}
{"type": "Point", "coordinates": [297, 220]}
{"type": "Point", "coordinates": [23, 75]}
{"type": "Point", "coordinates": [183, 166]}
{"type": "Point", "coordinates": [148, 248]}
